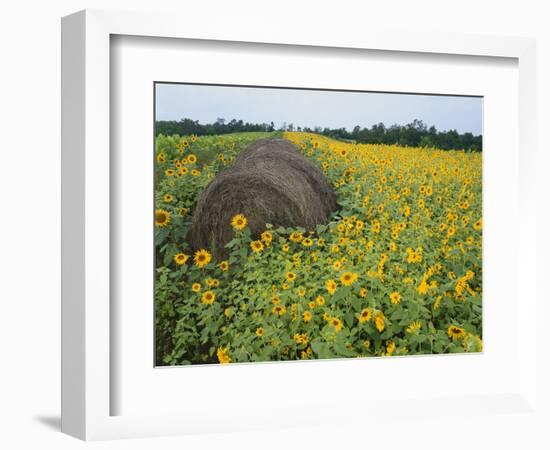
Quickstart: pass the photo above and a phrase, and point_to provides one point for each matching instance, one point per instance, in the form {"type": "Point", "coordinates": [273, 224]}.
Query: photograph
{"type": "Point", "coordinates": [295, 224]}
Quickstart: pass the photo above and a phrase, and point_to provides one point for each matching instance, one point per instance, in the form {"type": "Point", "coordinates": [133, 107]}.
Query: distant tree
{"type": "Point", "coordinates": [426, 141]}
{"type": "Point", "coordinates": [414, 134]}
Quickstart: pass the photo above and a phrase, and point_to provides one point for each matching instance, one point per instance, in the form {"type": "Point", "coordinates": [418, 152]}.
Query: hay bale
{"type": "Point", "coordinates": [270, 182]}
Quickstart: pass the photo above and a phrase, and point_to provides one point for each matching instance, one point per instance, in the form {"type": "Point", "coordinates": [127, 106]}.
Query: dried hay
{"type": "Point", "coordinates": [270, 182]}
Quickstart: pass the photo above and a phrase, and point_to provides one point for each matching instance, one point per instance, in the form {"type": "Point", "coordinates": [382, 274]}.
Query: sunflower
{"type": "Point", "coordinates": [162, 218]}
{"type": "Point", "coordinates": [300, 338]}
{"type": "Point", "coordinates": [336, 323]}
{"type": "Point", "coordinates": [413, 256]}
{"type": "Point", "coordinates": [290, 276]}
{"type": "Point", "coordinates": [181, 258]}
{"type": "Point", "coordinates": [256, 246]}
{"type": "Point", "coordinates": [224, 265]}
{"type": "Point", "coordinates": [223, 355]}
{"type": "Point", "coordinates": [478, 225]}
{"type": "Point", "coordinates": [395, 298]}
{"type": "Point", "coordinates": [192, 159]}
{"type": "Point", "coordinates": [182, 211]}
{"type": "Point", "coordinates": [202, 258]}
{"type": "Point", "coordinates": [455, 332]}
{"type": "Point", "coordinates": [307, 242]}
{"type": "Point", "coordinates": [169, 172]}
{"type": "Point", "coordinates": [285, 248]}
{"type": "Point", "coordinates": [320, 300]}
{"type": "Point", "coordinates": [348, 278]}
{"type": "Point", "coordinates": [390, 347]}
{"type": "Point", "coordinates": [259, 331]}
{"type": "Point", "coordinates": [196, 287]}
{"type": "Point", "coordinates": [168, 198]}
{"type": "Point", "coordinates": [195, 172]}
{"type": "Point", "coordinates": [379, 322]}
{"type": "Point", "coordinates": [266, 237]}
{"type": "Point", "coordinates": [208, 297]}
{"type": "Point", "coordinates": [296, 236]}
{"type": "Point", "coordinates": [307, 316]}
{"type": "Point", "coordinates": [212, 282]}
{"type": "Point", "coordinates": [331, 286]}
{"type": "Point", "coordinates": [414, 326]}
{"type": "Point", "coordinates": [238, 222]}
{"type": "Point", "coordinates": [365, 315]}
{"type": "Point", "coordinates": [279, 310]}
{"type": "Point", "coordinates": [363, 292]}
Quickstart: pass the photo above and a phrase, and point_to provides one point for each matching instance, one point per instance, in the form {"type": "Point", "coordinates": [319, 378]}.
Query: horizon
{"type": "Point", "coordinates": [312, 129]}
{"type": "Point", "coordinates": [316, 108]}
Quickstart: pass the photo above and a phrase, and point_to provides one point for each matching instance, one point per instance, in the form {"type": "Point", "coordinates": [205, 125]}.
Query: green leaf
{"type": "Point", "coordinates": [340, 293]}
{"type": "Point", "coordinates": [232, 243]}
{"type": "Point", "coordinates": [321, 349]}
{"type": "Point", "coordinates": [342, 350]}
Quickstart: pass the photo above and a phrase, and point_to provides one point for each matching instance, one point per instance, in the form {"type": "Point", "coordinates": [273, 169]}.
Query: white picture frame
{"type": "Point", "coordinates": [86, 246]}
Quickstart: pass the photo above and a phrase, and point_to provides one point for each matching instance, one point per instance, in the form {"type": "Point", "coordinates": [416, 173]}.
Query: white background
{"type": "Point", "coordinates": [141, 389]}
{"type": "Point", "coordinates": [29, 177]}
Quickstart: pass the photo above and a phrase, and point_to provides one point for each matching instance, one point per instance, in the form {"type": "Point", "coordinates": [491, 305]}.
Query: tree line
{"type": "Point", "coordinates": [414, 134]}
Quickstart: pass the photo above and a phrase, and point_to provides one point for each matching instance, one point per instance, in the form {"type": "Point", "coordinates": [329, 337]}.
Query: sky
{"type": "Point", "coordinates": [332, 109]}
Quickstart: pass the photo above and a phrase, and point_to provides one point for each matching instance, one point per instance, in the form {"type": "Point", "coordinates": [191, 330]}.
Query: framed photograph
{"type": "Point", "coordinates": [269, 230]}
{"type": "Point", "coordinates": [281, 242]}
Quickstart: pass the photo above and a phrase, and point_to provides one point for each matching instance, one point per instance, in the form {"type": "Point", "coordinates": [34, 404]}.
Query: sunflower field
{"type": "Point", "coordinates": [396, 271]}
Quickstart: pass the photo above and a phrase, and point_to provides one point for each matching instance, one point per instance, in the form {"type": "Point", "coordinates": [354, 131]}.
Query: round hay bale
{"type": "Point", "coordinates": [270, 182]}
{"type": "Point", "coordinates": [260, 152]}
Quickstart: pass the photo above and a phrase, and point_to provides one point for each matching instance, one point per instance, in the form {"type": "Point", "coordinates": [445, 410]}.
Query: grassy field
{"type": "Point", "coordinates": [397, 270]}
